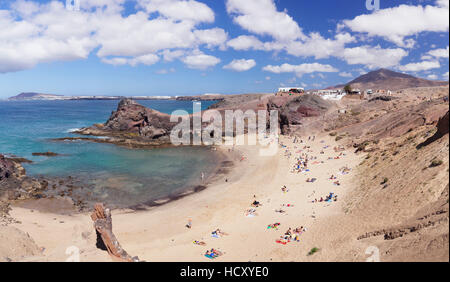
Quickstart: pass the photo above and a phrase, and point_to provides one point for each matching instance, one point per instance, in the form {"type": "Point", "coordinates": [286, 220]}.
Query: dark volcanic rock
{"type": "Point", "coordinates": [382, 98]}
{"type": "Point", "coordinates": [134, 121]}
{"type": "Point", "coordinates": [9, 169]}
{"type": "Point", "coordinates": [46, 154]}
{"type": "Point", "coordinates": [443, 125]}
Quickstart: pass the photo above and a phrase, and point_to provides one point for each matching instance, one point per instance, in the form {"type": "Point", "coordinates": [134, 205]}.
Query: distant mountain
{"type": "Point", "coordinates": [41, 96]}
{"type": "Point", "coordinates": [389, 80]}
{"type": "Point", "coordinates": [35, 96]}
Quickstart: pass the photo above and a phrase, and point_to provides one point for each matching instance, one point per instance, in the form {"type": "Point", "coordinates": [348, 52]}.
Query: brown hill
{"type": "Point", "coordinates": [390, 80]}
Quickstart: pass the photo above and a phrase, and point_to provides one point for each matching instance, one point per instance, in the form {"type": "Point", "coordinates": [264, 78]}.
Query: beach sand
{"type": "Point", "coordinates": [160, 233]}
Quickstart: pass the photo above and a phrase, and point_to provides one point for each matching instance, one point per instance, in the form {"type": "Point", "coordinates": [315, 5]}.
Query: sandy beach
{"type": "Point", "coordinates": [160, 234]}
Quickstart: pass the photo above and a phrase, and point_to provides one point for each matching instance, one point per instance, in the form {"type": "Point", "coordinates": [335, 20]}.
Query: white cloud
{"type": "Point", "coordinates": [300, 70]}
{"type": "Point", "coordinates": [44, 33]}
{"type": "Point", "coordinates": [439, 53]}
{"type": "Point", "coordinates": [179, 10]}
{"type": "Point", "coordinates": [33, 33]}
{"type": "Point", "coordinates": [373, 57]}
{"type": "Point", "coordinates": [147, 60]}
{"type": "Point", "coordinates": [170, 55]}
{"type": "Point", "coordinates": [199, 60]}
{"type": "Point", "coordinates": [445, 75]}
{"type": "Point", "coordinates": [432, 77]}
{"type": "Point", "coordinates": [394, 24]}
{"type": "Point", "coordinates": [245, 42]}
{"type": "Point", "coordinates": [346, 74]}
{"type": "Point", "coordinates": [421, 66]}
{"type": "Point", "coordinates": [211, 37]}
{"type": "Point", "coordinates": [261, 17]}
{"type": "Point", "coordinates": [240, 65]}
{"type": "Point", "coordinates": [317, 46]}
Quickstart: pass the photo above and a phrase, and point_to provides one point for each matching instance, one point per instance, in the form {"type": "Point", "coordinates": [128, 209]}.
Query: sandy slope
{"type": "Point", "coordinates": [160, 234]}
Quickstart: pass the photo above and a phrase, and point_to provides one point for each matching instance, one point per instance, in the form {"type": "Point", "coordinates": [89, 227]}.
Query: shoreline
{"type": "Point", "coordinates": [159, 233]}
{"type": "Point", "coordinates": [62, 204]}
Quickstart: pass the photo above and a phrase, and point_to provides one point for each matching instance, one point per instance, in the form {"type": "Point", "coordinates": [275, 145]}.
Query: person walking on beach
{"type": "Point", "coordinates": [189, 224]}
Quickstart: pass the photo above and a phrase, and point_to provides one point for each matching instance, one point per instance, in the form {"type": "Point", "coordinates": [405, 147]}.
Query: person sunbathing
{"type": "Point", "coordinates": [219, 232]}
{"type": "Point", "coordinates": [201, 243]}
{"type": "Point", "coordinates": [216, 252]}
{"type": "Point", "coordinates": [256, 204]}
{"type": "Point", "coordinates": [250, 212]}
{"type": "Point", "coordinates": [273, 226]}
{"type": "Point", "coordinates": [298, 230]}
{"type": "Point", "coordinates": [288, 232]}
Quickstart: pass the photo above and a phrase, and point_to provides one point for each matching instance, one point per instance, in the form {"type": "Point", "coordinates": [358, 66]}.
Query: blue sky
{"type": "Point", "coordinates": [188, 47]}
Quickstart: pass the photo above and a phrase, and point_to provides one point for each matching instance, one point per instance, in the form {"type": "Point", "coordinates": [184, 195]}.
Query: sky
{"type": "Point", "coordinates": [193, 47]}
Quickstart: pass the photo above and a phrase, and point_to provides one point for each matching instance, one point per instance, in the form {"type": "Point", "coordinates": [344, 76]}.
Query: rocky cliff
{"type": "Point", "coordinates": [133, 125]}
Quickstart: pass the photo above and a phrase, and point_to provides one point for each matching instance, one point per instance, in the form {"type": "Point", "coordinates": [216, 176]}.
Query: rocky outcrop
{"type": "Point", "coordinates": [10, 170]}
{"type": "Point", "coordinates": [133, 123]}
{"type": "Point", "coordinates": [443, 124]}
{"type": "Point", "coordinates": [442, 129]}
{"type": "Point", "coordinates": [105, 236]}
{"type": "Point", "coordinates": [292, 111]}
{"type": "Point", "coordinates": [135, 118]}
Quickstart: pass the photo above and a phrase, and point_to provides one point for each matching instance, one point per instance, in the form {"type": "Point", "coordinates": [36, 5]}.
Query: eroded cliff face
{"type": "Point", "coordinates": [293, 111]}
{"type": "Point", "coordinates": [443, 125]}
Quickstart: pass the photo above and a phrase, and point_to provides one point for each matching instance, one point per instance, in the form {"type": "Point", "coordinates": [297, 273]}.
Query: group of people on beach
{"type": "Point", "coordinates": [213, 253]}
{"type": "Point", "coordinates": [302, 163]}
{"type": "Point", "coordinates": [291, 235]}
{"type": "Point", "coordinates": [329, 198]}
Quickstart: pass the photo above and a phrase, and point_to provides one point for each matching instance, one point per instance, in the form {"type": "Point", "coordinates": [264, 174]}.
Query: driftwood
{"type": "Point", "coordinates": [103, 226]}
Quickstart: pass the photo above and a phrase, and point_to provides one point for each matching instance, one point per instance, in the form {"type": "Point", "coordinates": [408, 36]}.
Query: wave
{"type": "Point", "coordinates": [72, 130]}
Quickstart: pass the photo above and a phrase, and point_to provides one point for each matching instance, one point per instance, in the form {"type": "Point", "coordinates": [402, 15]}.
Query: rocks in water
{"type": "Point", "coordinates": [10, 169]}
{"type": "Point", "coordinates": [132, 125]}
{"type": "Point", "coordinates": [46, 154]}
{"type": "Point", "coordinates": [132, 117]}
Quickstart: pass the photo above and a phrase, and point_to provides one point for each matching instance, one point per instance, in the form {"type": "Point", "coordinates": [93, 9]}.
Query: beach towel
{"type": "Point", "coordinates": [281, 242]}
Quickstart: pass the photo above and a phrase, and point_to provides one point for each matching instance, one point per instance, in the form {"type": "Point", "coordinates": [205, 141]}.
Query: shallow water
{"type": "Point", "coordinates": [118, 175]}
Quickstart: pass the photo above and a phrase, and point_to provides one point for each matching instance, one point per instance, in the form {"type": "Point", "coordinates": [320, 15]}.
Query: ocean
{"type": "Point", "coordinates": [122, 177]}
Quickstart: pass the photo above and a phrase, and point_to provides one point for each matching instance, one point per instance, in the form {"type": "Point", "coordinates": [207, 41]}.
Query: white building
{"type": "Point", "coordinates": [289, 89]}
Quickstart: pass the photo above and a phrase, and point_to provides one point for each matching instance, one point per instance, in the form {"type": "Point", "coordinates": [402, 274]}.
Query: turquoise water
{"type": "Point", "coordinates": [136, 175]}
